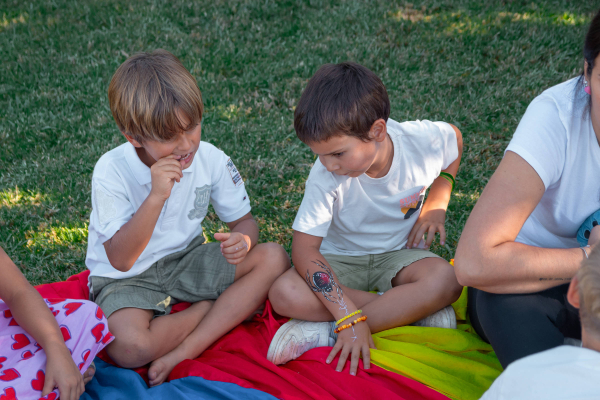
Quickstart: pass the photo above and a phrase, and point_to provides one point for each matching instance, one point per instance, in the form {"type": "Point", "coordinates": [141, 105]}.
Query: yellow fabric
{"type": "Point", "coordinates": [455, 362]}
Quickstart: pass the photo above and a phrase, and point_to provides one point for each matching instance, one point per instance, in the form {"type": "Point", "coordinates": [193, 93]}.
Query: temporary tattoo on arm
{"type": "Point", "coordinates": [556, 279]}
{"type": "Point", "coordinates": [324, 283]}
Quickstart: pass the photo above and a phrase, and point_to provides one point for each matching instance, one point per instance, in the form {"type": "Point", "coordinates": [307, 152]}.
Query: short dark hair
{"type": "Point", "coordinates": [340, 99]}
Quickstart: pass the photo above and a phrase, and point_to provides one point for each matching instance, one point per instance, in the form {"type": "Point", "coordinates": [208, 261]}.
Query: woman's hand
{"type": "Point", "coordinates": [430, 222]}
{"type": "Point", "coordinates": [62, 372]}
{"type": "Point", "coordinates": [353, 343]}
{"type": "Point", "coordinates": [594, 238]}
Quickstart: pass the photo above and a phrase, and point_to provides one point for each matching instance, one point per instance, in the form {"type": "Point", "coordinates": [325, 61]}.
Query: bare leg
{"type": "Point", "coordinates": [422, 288]}
{"type": "Point", "coordinates": [253, 278]}
{"type": "Point", "coordinates": [140, 339]}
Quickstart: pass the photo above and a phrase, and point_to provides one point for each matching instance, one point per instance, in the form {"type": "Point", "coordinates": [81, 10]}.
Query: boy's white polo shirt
{"type": "Point", "coordinates": [120, 184]}
{"type": "Point", "coordinates": [364, 215]}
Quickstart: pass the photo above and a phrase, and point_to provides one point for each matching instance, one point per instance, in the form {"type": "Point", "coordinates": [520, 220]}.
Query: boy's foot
{"type": "Point", "coordinates": [161, 368]}
{"type": "Point", "coordinates": [445, 318]}
{"type": "Point", "coordinates": [296, 337]}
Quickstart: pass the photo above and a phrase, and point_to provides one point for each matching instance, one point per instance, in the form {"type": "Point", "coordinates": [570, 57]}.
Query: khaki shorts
{"type": "Point", "coordinates": [374, 271]}
{"type": "Point", "coordinates": [199, 272]}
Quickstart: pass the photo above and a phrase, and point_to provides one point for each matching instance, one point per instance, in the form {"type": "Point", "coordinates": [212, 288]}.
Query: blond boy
{"type": "Point", "coordinates": [145, 247]}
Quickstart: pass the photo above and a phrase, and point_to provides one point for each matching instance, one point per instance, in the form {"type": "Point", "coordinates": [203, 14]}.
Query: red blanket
{"type": "Point", "coordinates": [240, 357]}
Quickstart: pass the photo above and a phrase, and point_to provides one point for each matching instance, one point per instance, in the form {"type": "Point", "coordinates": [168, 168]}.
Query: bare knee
{"type": "Point", "coordinates": [273, 258]}
{"type": "Point", "coordinates": [131, 351]}
{"type": "Point", "coordinates": [286, 293]}
{"type": "Point", "coordinates": [445, 286]}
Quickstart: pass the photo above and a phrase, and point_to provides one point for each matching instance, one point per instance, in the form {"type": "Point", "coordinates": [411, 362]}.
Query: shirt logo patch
{"type": "Point", "coordinates": [235, 174]}
{"type": "Point", "coordinates": [411, 204]}
{"type": "Point", "coordinates": [200, 203]}
{"type": "Point", "coordinates": [106, 207]}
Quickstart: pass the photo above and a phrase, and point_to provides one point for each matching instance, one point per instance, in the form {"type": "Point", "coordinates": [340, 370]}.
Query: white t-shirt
{"type": "Point", "coordinates": [120, 184]}
{"type": "Point", "coordinates": [564, 372]}
{"type": "Point", "coordinates": [556, 137]}
{"type": "Point", "coordinates": [364, 215]}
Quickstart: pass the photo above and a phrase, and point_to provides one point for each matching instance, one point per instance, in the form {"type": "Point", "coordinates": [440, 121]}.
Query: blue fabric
{"type": "Point", "coordinates": [114, 383]}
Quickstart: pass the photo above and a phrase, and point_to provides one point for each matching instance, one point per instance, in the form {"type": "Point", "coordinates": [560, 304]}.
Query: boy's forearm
{"type": "Point", "coordinates": [249, 229]}
{"type": "Point", "coordinates": [441, 189]}
{"type": "Point", "coordinates": [309, 262]}
{"type": "Point", "coordinates": [124, 248]}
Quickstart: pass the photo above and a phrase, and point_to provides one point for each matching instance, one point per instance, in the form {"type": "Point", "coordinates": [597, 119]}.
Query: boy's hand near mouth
{"type": "Point", "coordinates": [165, 172]}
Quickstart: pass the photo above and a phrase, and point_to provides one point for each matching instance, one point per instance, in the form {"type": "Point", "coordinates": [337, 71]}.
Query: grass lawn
{"type": "Point", "coordinates": [476, 64]}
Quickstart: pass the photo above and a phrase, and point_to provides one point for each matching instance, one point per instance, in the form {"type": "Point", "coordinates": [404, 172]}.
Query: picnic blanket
{"type": "Point", "coordinates": [409, 361]}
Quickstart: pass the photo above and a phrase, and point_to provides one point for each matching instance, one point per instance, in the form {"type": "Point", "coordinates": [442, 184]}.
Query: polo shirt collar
{"type": "Point", "coordinates": [140, 170]}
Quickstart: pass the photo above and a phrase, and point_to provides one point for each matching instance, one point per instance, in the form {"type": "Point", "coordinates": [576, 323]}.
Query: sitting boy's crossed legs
{"type": "Point", "coordinates": [170, 339]}
{"type": "Point", "coordinates": [418, 290]}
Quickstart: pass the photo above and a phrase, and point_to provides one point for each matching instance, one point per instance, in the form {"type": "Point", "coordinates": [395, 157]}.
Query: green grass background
{"type": "Point", "coordinates": [476, 64]}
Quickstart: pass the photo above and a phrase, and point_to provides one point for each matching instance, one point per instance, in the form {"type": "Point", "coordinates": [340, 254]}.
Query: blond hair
{"type": "Point", "coordinates": [153, 96]}
{"type": "Point", "coordinates": [588, 277]}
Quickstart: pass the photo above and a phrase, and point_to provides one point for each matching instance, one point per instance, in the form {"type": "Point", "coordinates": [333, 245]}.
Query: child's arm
{"type": "Point", "coordinates": [124, 248]}
{"type": "Point", "coordinates": [32, 314]}
{"type": "Point", "coordinates": [315, 270]}
{"type": "Point", "coordinates": [433, 213]}
{"type": "Point", "coordinates": [243, 236]}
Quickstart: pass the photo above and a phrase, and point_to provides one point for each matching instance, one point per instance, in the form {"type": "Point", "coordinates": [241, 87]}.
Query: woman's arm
{"type": "Point", "coordinates": [487, 256]}
{"type": "Point", "coordinates": [31, 312]}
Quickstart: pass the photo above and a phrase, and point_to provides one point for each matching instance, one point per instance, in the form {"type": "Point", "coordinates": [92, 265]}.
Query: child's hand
{"type": "Point", "coordinates": [234, 246]}
{"type": "Point", "coordinates": [594, 236]}
{"type": "Point", "coordinates": [351, 346]}
{"type": "Point", "coordinates": [165, 172]}
{"type": "Point", "coordinates": [62, 372]}
{"type": "Point", "coordinates": [431, 221]}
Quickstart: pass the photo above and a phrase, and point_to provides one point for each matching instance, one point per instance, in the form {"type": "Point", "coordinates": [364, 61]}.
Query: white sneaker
{"type": "Point", "coordinates": [296, 337]}
{"type": "Point", "coordinates": [445, 318]}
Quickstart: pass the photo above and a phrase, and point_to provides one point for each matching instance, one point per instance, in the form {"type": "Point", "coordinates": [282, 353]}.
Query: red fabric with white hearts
{"type": "Point", "coordinates": [22, 360]}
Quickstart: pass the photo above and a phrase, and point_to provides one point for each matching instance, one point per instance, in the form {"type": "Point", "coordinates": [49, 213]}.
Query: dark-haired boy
{"type": "Point", "coordinates": [146, 249]}
{"type": "Point", "coordinates": [362, 218]}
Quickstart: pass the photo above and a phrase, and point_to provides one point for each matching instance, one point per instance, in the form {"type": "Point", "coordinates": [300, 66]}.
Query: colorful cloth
{"type": "Point", "coordinates": [116, 383]}
{"type": "Point", "coordinates": [23, 361]}
{"type": "Point", "coordinates": [455, 362]}
{"type": "Point", "coordinates": [240, 358]}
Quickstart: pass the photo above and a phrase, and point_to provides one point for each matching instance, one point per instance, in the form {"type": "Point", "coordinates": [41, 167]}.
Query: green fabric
{"type": "Point", "coordinates": [455, 362]}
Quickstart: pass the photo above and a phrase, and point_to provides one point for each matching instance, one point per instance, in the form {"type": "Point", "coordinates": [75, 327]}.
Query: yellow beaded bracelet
{"type": "Point", "coordinates": [346, 326]}
{"type": "Point", "coordinates": [339, 321]}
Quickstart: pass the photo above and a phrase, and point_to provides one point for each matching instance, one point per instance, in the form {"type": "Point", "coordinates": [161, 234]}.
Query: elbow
{"type": "Point", "coordinates": [469, 270]}
{"type": "Point", "coordinates": [119, 265]}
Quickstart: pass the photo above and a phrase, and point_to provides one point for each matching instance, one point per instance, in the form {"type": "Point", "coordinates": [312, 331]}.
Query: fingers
{"type": "Point", "coordinates": [237, 250]}
{"type": "Point", "coordinates": [354, 358]}
{"type": "Point", "coordinates": [366, 353]}
{"type": "Point", "coordinates": [372, 343]}
{"type": "Point", "coordinates": [419, 235]}
{"type": "Point", "coordinates": [442, 235]}
{"type": "Point", "coordinates": [412, 234]}
{"type": "Point", "coordinates": [430, 236]}
{"type": "Point", "coordinates": [336, 348]}
{"type": "Point", "coordinates": [48, 385]}
{"type": "Point", "coordinates": [343, 358]}
{"type": "Point", "coordinates": [221, 237]}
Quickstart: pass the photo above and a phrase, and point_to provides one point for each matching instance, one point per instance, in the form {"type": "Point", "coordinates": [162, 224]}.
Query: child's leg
{"type": "Point", "coordinates": [290, 296]}
{"type": "Point", "coordinates": [419, 290]}
{"type": "Point", "coordinates": [140, 339]}
{"type": "Point", "coordinates": [253, 278]}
